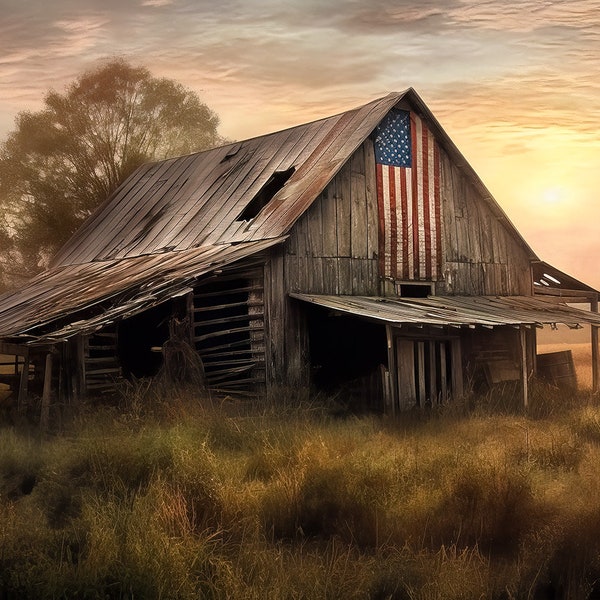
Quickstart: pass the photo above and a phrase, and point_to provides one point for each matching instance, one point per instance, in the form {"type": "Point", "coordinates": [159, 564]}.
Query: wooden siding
{"type": "Point", "coordinates": [482, 255]}
{"type": "Point", "coordinates": [286, 337]}
{"type": "Point", "coordinates": [333, 247]}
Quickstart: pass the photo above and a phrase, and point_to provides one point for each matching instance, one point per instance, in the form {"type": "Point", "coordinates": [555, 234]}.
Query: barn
{"type": "Point", "coordinates": [359, 252]}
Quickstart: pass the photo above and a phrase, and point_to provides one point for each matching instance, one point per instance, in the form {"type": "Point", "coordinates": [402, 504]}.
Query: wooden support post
{"type": "Point", "coordinates": [45, 410]}
{"type": "Point", "coordinates": [432, 375]}
{"type": "Point", "coordinates": [595, 353]}
{"type": "Point", "coordinates": [23, 385]}
{"type": "Point", "coordinates": [392, 369]}
{"type": "Point", "coordinates": [457, 371]}
{"type": "Point", "coordinates": [523, 361]}
{"type": "Point", "coordinates": [421, 374]}
{"type": "Point", "coordinates": [443, 374]}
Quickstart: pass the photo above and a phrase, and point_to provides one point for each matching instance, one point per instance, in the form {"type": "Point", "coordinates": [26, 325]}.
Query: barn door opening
{"type": "Point", "coordinates": [346, 357]}
{"type": "Point", "coordinates": [140, 340]}
{"type": "Point", "coordinates": [428, 371]}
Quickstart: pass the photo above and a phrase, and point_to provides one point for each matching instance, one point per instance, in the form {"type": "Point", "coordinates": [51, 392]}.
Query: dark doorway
{"type": "Point", "coordinates": [346, 356]}
{"type": "Point", "coordinates": [140, 341]}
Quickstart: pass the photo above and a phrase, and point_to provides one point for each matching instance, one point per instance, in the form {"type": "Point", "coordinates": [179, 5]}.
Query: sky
{"type": "Point", "coordinates": [515, 84]}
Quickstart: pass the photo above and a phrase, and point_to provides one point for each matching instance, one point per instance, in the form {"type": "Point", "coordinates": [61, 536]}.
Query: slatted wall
{"type": "Point", "coordinates": [229, 329]}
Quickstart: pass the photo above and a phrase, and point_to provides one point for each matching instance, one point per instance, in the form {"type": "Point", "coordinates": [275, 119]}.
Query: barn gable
{"type": "Point", "coordinates": [245, 251]}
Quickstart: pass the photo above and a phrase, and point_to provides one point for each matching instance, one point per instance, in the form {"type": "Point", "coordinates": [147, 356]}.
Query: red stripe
{"type": "Point", "coordinates": [415, 198]}
{"type": "Point", "coordinates": [393, 222]}
{"type": "Point", "coordinates": [381, 209]}
{"type": "Point", "coordinates": [438, 209]}
{"type": "Point", "coordinates": [403, 199]}
{"type": "Point", "coordinates": [426, 215]}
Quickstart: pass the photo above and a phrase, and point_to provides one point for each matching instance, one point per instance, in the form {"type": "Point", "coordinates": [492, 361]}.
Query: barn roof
{"type": "Point", "coordinates": [456, 311]}
{"type": "Point", "coordinates": [82, 298]}
{"type": "Point", "coordinates": [174, 220]}
{"type": "Point", "coordinates": [204, 198]}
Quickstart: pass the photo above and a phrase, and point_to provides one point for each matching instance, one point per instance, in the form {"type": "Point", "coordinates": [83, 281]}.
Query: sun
{"type": "Point", "coordinates": [553, 195]}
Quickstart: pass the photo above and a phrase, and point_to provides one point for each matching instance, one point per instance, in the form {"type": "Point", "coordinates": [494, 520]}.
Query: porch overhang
{"type": "Point", "coordinates": [457, 311]}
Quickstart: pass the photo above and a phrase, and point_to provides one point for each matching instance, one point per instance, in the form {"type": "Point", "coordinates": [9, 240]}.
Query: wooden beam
{"type": "Point", "coordinates": [443, 374]}
{"type": "Point", "coordinates": [23, 385]}
{"type": "Point", "coordinates": [392, 370]}
{"type": "Point", "coordinates": [421, 374]}
{"type": "Point", "coordinates": [523, 366]}
{"type": "Point", "coordinates": [457, 370]}
{"type": "Point", "coordinates": [45, 410]}
{"type": "Point", "coordinates": [15, 349]}
{"type": "Point", "coordinates": [565, 295]}
{"type": "Point", "coordinates": [432, 375]}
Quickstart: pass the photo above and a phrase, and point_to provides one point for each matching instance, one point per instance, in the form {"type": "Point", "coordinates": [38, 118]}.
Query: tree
{"type": "Point", "coordinates": [60, 163]}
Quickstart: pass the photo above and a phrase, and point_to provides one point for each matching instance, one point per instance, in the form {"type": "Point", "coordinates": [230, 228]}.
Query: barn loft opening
{"type": "Point", "coordinates": [265, 194]}
{"type": "Point", "coordinates": [346, 355]}
{"type": "Point", "coordinates": [141, 338]}
{"type": "Point", "coordinates": [414, 290]}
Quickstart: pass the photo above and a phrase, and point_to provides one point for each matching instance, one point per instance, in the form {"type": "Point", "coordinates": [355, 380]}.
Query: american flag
{"type": "Point", "coordinates": [408, 195]}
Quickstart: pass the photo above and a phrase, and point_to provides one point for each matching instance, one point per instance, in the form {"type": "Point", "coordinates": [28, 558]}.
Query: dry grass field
{"type": "Point", "coordinates": [173, 496]}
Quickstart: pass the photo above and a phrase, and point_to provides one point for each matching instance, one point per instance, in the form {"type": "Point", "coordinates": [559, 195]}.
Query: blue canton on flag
{"type": "Point", "coordinates": [392, 141]}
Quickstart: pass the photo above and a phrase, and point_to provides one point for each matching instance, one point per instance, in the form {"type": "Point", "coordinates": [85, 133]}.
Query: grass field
{"type": "Point", "coordinates": [170, 496]}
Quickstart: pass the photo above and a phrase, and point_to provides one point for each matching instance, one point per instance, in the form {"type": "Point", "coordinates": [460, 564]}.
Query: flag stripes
{"type": "Point", "coordinates": [410, 215]}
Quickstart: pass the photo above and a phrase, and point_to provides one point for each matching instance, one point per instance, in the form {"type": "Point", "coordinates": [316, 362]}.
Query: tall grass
{"type": "Point", "coordinates": [179, 497]}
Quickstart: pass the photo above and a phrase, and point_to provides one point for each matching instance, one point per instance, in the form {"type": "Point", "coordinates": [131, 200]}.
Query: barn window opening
{"type": "Point", "coordinates": [414, 290]}
{"type": "Point", "coordinates": [265, 194]}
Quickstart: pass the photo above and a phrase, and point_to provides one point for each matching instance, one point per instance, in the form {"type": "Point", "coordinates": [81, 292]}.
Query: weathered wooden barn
{"type": "Point", "coordinates": [357, 252]}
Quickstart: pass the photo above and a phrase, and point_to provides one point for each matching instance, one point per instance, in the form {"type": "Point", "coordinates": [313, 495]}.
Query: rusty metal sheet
{"type": "Point", "coordinates": [456, 311]}
{"type": "Point", "coordinates": [81, 298]}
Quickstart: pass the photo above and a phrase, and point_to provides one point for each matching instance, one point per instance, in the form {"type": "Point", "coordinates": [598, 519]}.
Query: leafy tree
{"type": "Point", "coordinates": [60, 163]}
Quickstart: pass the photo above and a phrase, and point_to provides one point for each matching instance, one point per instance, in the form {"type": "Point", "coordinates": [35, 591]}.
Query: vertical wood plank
{"type": "Point", "coordinates": [421, 373]}
{"type": "Point", "coordinates": [443, 373]}
{"type": "Point", "coordinates": [457, 370]}
{"type": "Point", "coordinates": [371, 199]}
{"type": "Point", "coordinates": [392, 370]}
{"type": "Point", "coordinates": [46, 393]}
{"type": "Point", "coordinates": [523, 366]}
{"type": "Point", "coordinates": [433, 392]}
{"type": "Point", "coordinates": [23, 384]}
{"type": "Point", "coordinates": [343, 186]}
{"type": "Point", "coordinates": [405, 356]}
{"type": "Point", "coordinates": [329, 219]}
{"type": "Point", "coordinates": [315, 228]}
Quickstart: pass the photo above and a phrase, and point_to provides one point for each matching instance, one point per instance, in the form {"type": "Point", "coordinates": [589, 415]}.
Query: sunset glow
{"type": "Point", "coordinates": [515, 84]}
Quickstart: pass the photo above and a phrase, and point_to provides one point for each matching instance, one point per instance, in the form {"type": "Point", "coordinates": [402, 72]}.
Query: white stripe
{"type": "Point", "coordinates": [432, 205]}
{"type": "Point", "coordinates": [420, 204]}
{"type": "Point", "coordinates": [409, 216]}
{"type": "Point", "coordinates": [385, 182]}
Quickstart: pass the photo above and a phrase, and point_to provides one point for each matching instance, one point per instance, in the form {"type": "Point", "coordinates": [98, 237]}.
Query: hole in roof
{"type": "Point", "coordinates": [232, 152]}
{"type": "Point", "coordinates": [265, 194]}
{"type": "Point", "coordinates": [553, 279]}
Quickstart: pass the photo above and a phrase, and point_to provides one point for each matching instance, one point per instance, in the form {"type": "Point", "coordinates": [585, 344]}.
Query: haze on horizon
{"type": "Point", "coordinates": [515, 84]}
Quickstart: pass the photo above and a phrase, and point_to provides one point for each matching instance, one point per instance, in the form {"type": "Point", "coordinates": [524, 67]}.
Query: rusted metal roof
{"type": "Point", "coordinates": [547, 278]}
{"type": "Point", "coordinates": [72, 299]}
{"type": "Point", "coordinates": [199, 199]}
{"type": "Point", "coordinates": [457, 311]}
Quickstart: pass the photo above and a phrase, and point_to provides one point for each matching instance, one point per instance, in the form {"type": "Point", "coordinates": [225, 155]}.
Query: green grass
{"type": "Point", "coordinates": [178, 497]}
